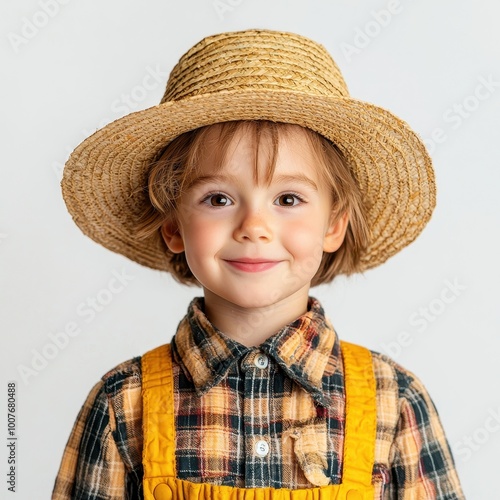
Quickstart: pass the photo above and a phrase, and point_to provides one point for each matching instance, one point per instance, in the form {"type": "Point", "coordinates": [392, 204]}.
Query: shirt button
{"type": "Point", "coordinates": [261, 361]}
{"type": "Point", "coordinates": [261, 448]}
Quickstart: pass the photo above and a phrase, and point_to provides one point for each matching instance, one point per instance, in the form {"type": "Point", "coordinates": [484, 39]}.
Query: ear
{"type": "Point", "coordinates": [172, 236]}
{"type": "Point", "coordinates": [335, 235]}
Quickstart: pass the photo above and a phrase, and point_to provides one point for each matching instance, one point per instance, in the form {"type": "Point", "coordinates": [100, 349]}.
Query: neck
{"type": "Point", "coordinates": [251, 326]}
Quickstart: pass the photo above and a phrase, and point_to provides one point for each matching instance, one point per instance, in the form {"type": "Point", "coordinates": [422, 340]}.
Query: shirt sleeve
{"type": "Point", "coordinates": [91, 467]}
{"type": "Point", "coordinates": [422, 463]}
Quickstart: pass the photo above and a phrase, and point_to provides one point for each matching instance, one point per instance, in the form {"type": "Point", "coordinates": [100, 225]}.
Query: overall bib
{"type": "Point", "coordinates": [160, 482]}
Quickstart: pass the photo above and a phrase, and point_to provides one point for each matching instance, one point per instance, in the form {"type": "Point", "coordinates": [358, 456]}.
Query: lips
{"type": "Point", "coordinates": [252, 265]}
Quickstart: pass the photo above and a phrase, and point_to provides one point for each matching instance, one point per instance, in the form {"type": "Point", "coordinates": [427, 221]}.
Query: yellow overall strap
{"type": "Point", "coordinates": [160, 482]}
{"type": "Point", "coordinates": [361, 415]}
{"type": "Point", "coordinates": [158, 419]}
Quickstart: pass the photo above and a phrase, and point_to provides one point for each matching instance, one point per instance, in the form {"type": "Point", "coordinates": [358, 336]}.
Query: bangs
{"type": "Point", "coordinates": [219, 139]}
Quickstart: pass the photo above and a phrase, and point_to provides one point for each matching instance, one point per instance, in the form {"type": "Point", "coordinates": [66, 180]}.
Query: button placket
{"type": "Point", "coordinates": [258, 434]}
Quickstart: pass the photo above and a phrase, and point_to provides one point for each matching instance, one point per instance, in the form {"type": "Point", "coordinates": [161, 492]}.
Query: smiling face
{"type": "Point", "coordinates": [252, 242]}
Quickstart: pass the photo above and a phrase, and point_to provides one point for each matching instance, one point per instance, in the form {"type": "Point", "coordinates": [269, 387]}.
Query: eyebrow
{"type": "Point", "coordinates": [206, 179]}
{"type": "Point", "coordinates": [280, 179]}
{"type": "Point", "coordinates": [301, 178]}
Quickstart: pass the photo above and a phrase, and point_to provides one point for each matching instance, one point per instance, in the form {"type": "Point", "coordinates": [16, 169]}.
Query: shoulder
{"type": "Point", "coordinates": [126, 375]}
{"type": "Point", "coordinates": [122, 385]}
{"type": "Point", "coordinates": [116, 394]}
{"type": "Point", "coordinates": [399, 388]}
{"type": "Point", "coordinates": [389, 373]}
{"type": "Point", "coordinates": [129, 370]}
{"type": "Point", "coordinates": [395, 382]}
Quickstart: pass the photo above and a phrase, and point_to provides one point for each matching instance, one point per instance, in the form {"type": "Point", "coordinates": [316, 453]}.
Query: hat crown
{"type": "Point", "coordinates": [255, 60]}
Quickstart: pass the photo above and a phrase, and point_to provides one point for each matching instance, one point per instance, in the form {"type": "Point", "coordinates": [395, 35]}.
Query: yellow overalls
{"type": "Point", "coordinates": [160, 482]}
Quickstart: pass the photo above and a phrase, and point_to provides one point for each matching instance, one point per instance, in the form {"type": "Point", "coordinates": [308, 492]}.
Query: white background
{"type": "Point", "coordinates": [66, 77]}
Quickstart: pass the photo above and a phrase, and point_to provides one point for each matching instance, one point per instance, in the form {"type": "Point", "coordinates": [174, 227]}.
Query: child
{"type": "Point", "coordinates": [256, 178]}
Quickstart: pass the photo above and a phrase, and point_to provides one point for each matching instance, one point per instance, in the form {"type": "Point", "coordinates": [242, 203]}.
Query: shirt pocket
{"type": "Point", "coordinates": [310, 450]}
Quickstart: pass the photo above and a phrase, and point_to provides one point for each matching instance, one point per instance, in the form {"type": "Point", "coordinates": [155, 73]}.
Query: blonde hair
{"type": "Point", "coordinates": [176, 166]}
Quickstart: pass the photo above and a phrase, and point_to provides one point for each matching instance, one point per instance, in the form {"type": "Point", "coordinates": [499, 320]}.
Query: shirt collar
{"type": "Point", "coordinates": [307, 350]}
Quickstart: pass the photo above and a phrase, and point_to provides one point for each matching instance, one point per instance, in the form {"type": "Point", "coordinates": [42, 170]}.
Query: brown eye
{"type": "Point", "coordinates": [287, 200]}
{"type": "Point", "coordinates": [219, 200]}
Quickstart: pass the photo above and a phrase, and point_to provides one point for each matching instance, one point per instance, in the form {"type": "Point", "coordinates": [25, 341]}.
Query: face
{"type": "Point", "coordinates": [253, 244]}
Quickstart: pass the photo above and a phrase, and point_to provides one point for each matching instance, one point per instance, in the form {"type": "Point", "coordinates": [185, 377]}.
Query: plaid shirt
{"type": "Point", "coordinates": [227, 396]}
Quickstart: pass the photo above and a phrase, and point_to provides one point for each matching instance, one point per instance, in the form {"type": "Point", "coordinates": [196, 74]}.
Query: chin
{"type": "Point", "coordinates": [251, 303]}
{"type": "Point", "coordinates": [252, 300]}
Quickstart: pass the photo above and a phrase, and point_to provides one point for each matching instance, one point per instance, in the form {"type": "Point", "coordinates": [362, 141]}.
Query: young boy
{"type": "Point", "coordinates": [256, 178]}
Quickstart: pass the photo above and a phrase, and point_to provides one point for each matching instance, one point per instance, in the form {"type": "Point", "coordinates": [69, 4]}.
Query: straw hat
{"type": "Point", "coordinates": [249, 75]}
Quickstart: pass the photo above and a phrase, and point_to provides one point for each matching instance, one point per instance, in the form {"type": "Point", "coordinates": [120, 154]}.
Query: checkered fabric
{"type": "Point", "coordinates": [288, 392]}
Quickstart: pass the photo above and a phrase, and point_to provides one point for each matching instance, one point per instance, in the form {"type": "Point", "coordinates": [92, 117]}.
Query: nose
{"type": "Point", "coordinates": [253, 226]}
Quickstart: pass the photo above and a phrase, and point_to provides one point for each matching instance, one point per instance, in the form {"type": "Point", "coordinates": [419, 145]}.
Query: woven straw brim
{"type": "Point", "coordinates": [105, 177]}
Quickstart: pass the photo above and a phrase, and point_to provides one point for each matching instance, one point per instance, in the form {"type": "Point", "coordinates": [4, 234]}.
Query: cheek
{"type": "Point", "coordinates": [304, 240]}
{"type": "Point", "coordinates": [201, 236]}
